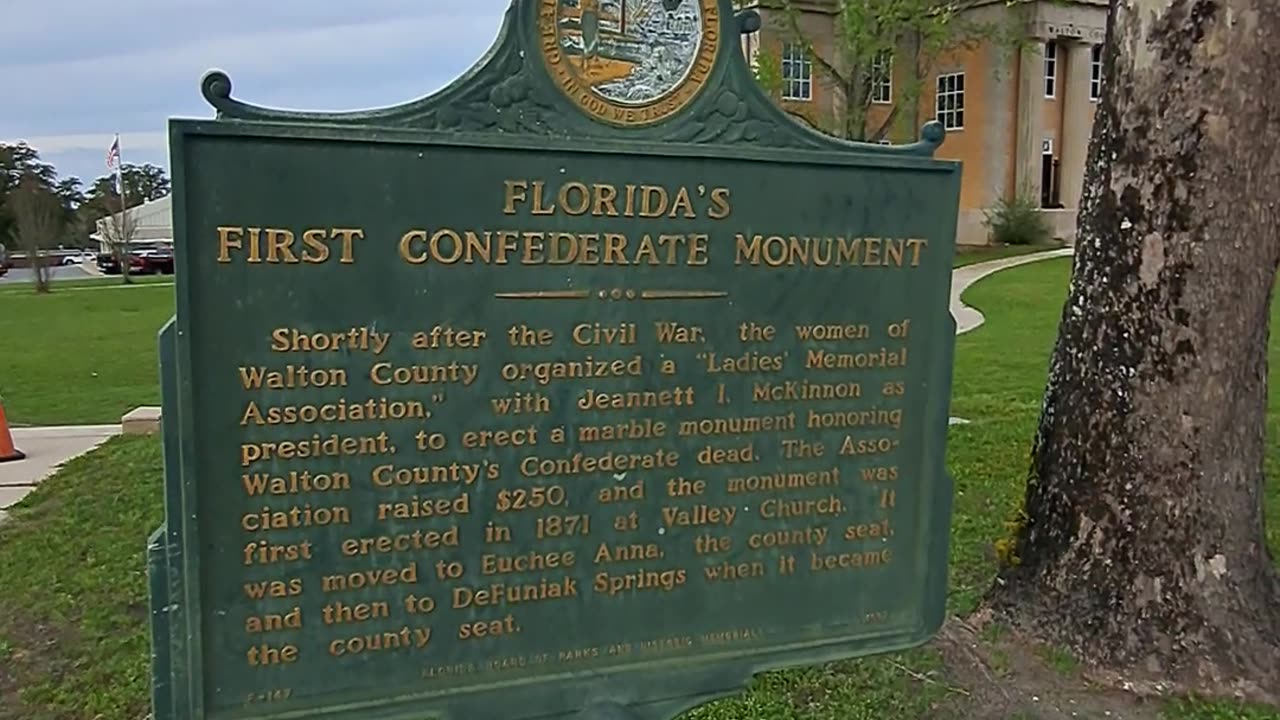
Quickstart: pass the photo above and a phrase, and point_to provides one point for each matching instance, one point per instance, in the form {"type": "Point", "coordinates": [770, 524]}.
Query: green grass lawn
{"type": "Point", "coordinates": [101, 282]}
{"type": "Point", "coordinates": [73, 632]}
{"type": "Point", "coordinates": [80, 355]}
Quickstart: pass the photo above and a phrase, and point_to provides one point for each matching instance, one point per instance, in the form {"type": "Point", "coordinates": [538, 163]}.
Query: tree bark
{"type": "Point", "coordinates": [41, 273]}
{"type": "Point", "coordinates": [1142, 545]}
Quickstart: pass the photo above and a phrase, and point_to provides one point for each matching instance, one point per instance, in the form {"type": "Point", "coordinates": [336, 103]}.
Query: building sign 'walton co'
{"type": "Point", "coordinates": [589, 386]}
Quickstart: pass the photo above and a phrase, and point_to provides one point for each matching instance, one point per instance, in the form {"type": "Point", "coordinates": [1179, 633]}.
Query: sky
{"type": "Point", "coordinates": [79, 71]}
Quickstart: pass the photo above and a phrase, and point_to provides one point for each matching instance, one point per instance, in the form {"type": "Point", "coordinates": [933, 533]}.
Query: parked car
{"type": "Point", "coordinates": [141, 262]}
{"type": "Point", "coordinates": [108, 263]}
{"type": "Point", "coordinates": [154, 262]}
{"type": "Point", "coordinates": [79, 258]}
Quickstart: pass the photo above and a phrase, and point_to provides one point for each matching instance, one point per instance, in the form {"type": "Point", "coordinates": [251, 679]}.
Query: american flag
{"type": "Point", "coordinates": [113, 154]}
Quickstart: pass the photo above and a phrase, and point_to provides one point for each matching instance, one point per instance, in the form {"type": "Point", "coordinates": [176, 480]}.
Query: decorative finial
{"type": "Point", "coordinates": [216, 88]}
{"type": "Point", "coordinates": [933, 133]}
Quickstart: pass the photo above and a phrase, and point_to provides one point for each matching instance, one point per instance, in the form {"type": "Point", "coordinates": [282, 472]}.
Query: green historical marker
{"type": "Point", "coordinates": [588, 387]}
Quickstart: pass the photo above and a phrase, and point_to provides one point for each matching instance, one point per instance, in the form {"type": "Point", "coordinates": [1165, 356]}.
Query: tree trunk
{"type": "Point", "coordinates": [1143, 546]}
{"type": "Point", "coordinates": [41, 273]}
{"type": "Point", "coordinates": [125, 277]}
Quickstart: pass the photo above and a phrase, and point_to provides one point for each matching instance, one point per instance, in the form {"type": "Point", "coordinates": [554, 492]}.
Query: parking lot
{"type": "Point", "coordinates": [61, 272]}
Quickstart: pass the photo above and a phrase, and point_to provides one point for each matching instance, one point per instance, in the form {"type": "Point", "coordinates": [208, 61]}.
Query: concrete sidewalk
{"type": "Point", "coordinates": [47, 448]}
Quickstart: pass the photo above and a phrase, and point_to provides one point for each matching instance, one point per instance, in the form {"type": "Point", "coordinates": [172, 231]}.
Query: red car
{"type": "Point", "coordinates": [153, 262]}
{"type": "Point", "coordinates": [141, 262]}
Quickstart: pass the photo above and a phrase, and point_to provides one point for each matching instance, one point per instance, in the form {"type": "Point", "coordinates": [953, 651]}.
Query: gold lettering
{"type": "Point", "coordinates": [849, 561]}
{"type": "Point", "coordinates": [663, 581]}
{"type": "Point", "coordinates": [532, 250]}
{"type": "Point", "coordinates": [604, 199]}
{"type": "Point", "coordinates": [729, 572]}
{"type": "Point", "coordinates": [265, 654]}
{"type": "Point", "coordinates": [316, 251]}
{"type": "Point", "coordinates": [455, 241]}
{"type": "Point", "coordinates": [229, 238]}
{"type": "Point", "coordinates": [653, 201]}
{"type": "Point", "coordinates": [255, 236]}
{"type": "Point", "coordinates": [488, 628]}
{"type": "Point", "coordinates": [779, 251]}
{"type": "Point", "coordinates": [406, 638]}
{"type": "Point", "coordinates": [415, 541]}
{"type": "Point", "coordinates": [583, 200]}
{"type": "Point", "coordinates": [348, 237]}
{"type": "Point", "coordinates": [614, 249]}
{"type": "Point", "coordinates": [406, 247]}
{"type": "Point", "coordinates": [698, 245]}
{"type": "Point", "coordinates": [682, 205]}
{"type": "Point", "coordinates": [279, 244]}
{"type": "Point", "coordinates": [719, 204]}
{"type": "Point", "coordinates": [515, 193]}
{"type": "Point", "coordinates": [538, 207]}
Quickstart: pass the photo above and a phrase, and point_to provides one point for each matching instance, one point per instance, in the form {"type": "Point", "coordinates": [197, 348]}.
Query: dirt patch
{"type": "Point", "coordinates": [1009, 676]}
{"type": "Point", "coordinates": [28, 651]}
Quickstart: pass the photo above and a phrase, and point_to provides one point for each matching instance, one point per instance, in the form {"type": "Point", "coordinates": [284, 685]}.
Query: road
{"type": "Point", "coordinates": [62, 272]}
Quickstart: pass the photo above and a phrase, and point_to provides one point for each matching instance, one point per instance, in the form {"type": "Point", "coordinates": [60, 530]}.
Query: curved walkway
{"type": "Point", "coordinates": [968, 318]}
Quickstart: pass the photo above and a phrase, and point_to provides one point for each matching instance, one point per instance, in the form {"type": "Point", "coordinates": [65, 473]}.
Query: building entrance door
{"type": "Point", "coordinates": [1048, 176]}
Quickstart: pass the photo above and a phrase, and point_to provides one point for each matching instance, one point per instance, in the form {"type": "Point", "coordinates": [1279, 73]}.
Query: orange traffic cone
{"type": "Point", "coordinates": [7, 450]}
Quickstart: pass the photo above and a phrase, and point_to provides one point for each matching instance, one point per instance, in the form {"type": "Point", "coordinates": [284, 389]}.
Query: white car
{"type": "Point", "coordinates": [79, 258]}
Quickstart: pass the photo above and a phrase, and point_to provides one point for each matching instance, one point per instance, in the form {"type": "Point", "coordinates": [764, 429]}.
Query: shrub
{"type": "Point", "coordinates": [1017, 222]}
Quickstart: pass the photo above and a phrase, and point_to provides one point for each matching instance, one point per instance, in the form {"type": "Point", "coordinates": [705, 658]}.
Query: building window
{"type": "Point", "coordinates": [797, 73]}
{"type": "Point", "coordinates": [1050, 69]}
{"type": "Point", "coordinates": [949, 102]}
{"type": "Point", "coordinates": [1095, 73]}
{"type": "Point", "coordinates": [882, 78]}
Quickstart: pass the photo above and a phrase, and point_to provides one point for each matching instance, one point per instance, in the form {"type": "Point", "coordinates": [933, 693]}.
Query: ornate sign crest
{"type": "Point", "coordinates": [630, 62]}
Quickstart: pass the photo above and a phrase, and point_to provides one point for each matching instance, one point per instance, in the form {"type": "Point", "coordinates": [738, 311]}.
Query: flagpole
{"type": "Point", "coordinates": [120, 174]}
{"type": "Point", "coordinates": [124, 203]}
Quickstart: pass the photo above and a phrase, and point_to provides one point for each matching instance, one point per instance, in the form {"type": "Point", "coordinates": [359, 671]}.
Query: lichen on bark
{"type": "Point", "coordinates": [1143, 546]}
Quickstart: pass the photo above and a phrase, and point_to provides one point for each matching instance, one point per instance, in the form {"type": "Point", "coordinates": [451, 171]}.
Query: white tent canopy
{"type": "Point", "coordinates": [153, 222]}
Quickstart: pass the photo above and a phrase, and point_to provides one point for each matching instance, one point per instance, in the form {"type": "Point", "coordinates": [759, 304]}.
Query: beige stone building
{"type": "Point", "coordinates": [1016, 117]}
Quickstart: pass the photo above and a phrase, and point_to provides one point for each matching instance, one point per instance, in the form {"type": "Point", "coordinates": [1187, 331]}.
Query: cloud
{"type": "Point", "coordinates": [149, 79]}
{"type": "Point", "coordinates": [55, 144]}
{"type": "Point", "coordinates": [74, 78]}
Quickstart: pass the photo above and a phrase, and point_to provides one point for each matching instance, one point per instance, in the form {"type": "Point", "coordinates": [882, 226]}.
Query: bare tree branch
{"type": "Point", "coordinates": [119, 230]}
{"type": "Point", "coordinates": [38, 221]}
{"type": "Point", "coordinates": [889, 119]}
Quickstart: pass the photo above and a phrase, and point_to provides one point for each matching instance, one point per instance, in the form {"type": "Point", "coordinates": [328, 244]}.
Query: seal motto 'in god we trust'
{"type": "Point", "coordinates": [630, 62]}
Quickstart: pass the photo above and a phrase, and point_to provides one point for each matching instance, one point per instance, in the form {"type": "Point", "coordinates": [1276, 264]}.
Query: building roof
{"type": "Point", "coordinates": [153, 221]}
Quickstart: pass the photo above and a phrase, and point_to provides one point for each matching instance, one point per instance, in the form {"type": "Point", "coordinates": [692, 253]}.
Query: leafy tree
{"type": "Point", "coordinates": [871, 37]}
{"type": "Point", "coordinates": [81, 208]}
{"type": "Point", "coordinates": [768, 72]}
{"type": "Point", "coordinates": [71, 197]}
{"type": "Point", "coordinates": [1142, 545]}
{"type": "Point", "coordinates": [18, 163]}
{"type": "Point", "coordinates": [142, 183]}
